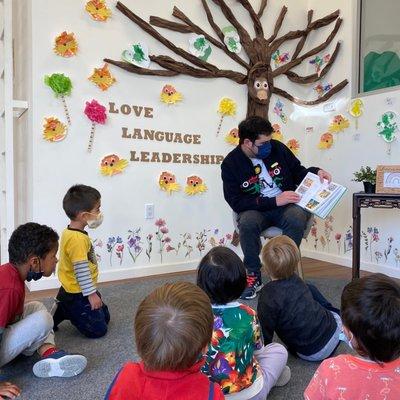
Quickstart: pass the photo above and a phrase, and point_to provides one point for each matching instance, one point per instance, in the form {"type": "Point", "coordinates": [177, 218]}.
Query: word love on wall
{"type": "Point", "coordinates": [152, 136]}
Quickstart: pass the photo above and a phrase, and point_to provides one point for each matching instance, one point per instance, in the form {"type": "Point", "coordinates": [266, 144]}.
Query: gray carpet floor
{"type": "Point", "coordinates": [107, 355]}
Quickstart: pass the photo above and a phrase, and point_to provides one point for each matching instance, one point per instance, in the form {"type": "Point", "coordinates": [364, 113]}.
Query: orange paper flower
{"type": "Point", "coordinates": [66, 45]}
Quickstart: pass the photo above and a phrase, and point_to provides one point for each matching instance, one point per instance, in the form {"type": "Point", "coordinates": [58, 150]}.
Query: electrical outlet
{"type": "Point", "coordinates": [149, 211]}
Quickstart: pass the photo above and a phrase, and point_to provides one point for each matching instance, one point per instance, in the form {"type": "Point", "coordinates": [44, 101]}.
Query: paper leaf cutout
{"type": "Point", "coordinates": [195, 185]}
{"type": "Point", "coordinates": [199, 46]}
{"type": "Point", "coordinates": [338, 124]}
{"type": "Point", "coordinates": [232, 137]}
{"type": "Point", "coordinates": [169, 95]}
{"type": "Point", "coordinates": [388, 126]}
{"type": "Point", "coordinates": [112, 165]}
{"type": "Point", "coordinates": [138, 55]}
{"type": "Point", "coordinates": [54, 130]}
{"type": "Point", "coordinates": [102, 77]}
{"type": "Point", "coordinates": [294, 146]}
{"type": "Point", "coordinates": [98, 10]}
{"type": "Point", "coordinates": [323, 88]}
{"type": "Point", "coordinates": [226, 107]}
{"type": "Point", "coordinates": [325, 141]}
{"type": "Point", "coordinates": [277, 133]}
{"type": "Point", "coordinates": [319, 61]}
{"type": "Point", "coordinates": [167, 182]}
{"type": "Point", "coordinates": [279, 58]}
{"type": "Point", "coordinates": [232, 39]}
{"type": "Point", "coordinates": [66, 45]}
{"type": "Point", "coordinates": [278, 110]}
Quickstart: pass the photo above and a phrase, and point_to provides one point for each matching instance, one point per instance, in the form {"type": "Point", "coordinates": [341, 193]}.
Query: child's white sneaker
{"type": "Point", "coordinates": [284, 377]}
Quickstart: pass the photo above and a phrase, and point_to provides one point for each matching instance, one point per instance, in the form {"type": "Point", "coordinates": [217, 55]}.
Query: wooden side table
{"type": "Point", "coordinates": [367, 200]}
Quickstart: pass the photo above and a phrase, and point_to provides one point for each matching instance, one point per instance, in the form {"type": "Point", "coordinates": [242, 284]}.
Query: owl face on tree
{"type": "Point", "coordinates": [258, 84]}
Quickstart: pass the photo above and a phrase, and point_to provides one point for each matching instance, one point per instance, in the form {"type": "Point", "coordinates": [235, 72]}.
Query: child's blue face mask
{"type": "Point", "coordinates": [264, 150]}
{"type": "Point", "coordinates": [33, 275]}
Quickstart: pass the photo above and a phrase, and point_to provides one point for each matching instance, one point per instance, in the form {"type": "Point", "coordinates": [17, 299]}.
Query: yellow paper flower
{"type": "Point", "coordinates": [98, 10]}
{"type": "Point", "coordinates": [227, 107]}
{"type": "Point", "coordinates": [112, 165]}
{"type": "Point", "coordinates": [66, 45]}
{"type": "Point", "coordinates": [325, 141]}
{"type": "Point", "coordinates": [167, 182]}
{"type": "Point", "coordinates": [294, 146]}
{"type": "Point", "coordinates": [339, 124]}
{"type": "Point", "coordinates": [54, 130]}
{"type": "Point", "coordinates": [232, 137]}
{"type": "Point", "coordinates": [102, 77]}
{"type": "Point", "coordinates": [195, 185]}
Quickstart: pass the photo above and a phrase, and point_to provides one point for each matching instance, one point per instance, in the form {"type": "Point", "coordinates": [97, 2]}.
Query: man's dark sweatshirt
{"type": "Point", "coordinates": [241, 178]}
{"type": "Point", "coordinates": [286, 306]}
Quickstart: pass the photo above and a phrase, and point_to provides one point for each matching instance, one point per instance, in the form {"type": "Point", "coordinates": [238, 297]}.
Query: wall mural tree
{"type": "Point", "coordinates": [259, 76]}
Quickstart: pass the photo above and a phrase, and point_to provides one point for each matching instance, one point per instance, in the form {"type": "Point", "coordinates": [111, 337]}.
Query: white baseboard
{"type": "Point", "coordinates": [121, 273]}
{"type": "Point", "coordinates": [346, 261]}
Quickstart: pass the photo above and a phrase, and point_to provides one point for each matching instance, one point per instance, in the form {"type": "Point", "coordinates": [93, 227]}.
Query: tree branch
{"type": "Point", "coordinates": [278, 24]}
{"type": "Point", "coordinates": [303, 39]}
{"type": "Point", "coordinates": [317, 24]}
{"type": "Point", "coordinates": [326, 96]}
{"type": "Point", "coordinates": [286, 67]}
{"type": "Point", "coordinates": [292, 76]}
{"type": "Point", "coordinates": [243, 34]}
{"type": "Point", "coordinates": [182, 68]}
{"type": "Point", "coordinates": [196, 29]}
{"type": "Point", "coordinates": [256, 21]}
{"type": "Point", "coordinates": [172, 26]}
{"type": "Point", "coordinates": [140, 71]}
{"type": "Point", "coordinates": [150, 30]}
{"type": "Point", "coordinates": [263, 5]}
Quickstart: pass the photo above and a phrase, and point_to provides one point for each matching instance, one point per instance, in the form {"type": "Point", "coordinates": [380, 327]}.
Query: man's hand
{"type": "Point", "coordinates": [287, 198]}
{"type": "Point", "coordinates": [95, 301]}
{"type": "Point", "coordinates": [8, 390]}
{"type": "Point", "coordinates": [324, 175]}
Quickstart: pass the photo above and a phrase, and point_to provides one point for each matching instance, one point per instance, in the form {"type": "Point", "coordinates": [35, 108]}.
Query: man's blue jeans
{"type": "Point", "coordinates": [291, 218]}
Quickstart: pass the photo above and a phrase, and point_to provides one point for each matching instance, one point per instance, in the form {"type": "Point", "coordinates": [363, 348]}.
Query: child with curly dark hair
{"type": "Point", "coordinates": [28, 328]}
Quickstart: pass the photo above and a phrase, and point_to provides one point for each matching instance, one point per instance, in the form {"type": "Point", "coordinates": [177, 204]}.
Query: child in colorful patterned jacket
{"type": "Point", "coordinates": [371, 319]}
{"type": "Point", "coordinates": [237, 358]}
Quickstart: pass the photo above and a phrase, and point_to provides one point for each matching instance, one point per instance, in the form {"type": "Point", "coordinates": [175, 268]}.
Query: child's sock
{"type": "Point", "coordinates": [284, 378]}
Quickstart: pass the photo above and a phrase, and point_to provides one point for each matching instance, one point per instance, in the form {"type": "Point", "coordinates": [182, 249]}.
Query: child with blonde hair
{"type": "Point", "coordinates": [237, 358]}
{"type": "Point", "coordinates": [297, 312]}
{"type": "Point", "coordinates": [173, 326]}
{"type": "Point", "coordinates": [371, 319]}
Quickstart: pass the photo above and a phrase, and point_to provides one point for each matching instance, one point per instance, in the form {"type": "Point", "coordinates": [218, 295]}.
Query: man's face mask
{"type": "Point", "coordinates": [264, 150]}
{"type": "Point", "coordinates": [95, 223]}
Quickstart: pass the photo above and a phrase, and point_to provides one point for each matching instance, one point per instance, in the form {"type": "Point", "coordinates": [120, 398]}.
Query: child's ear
{"type": "Point", "coordinates": [34, 263]}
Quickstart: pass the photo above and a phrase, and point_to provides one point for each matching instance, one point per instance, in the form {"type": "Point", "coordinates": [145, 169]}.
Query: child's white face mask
{"type": "Point", "coordinates": [95, 223]}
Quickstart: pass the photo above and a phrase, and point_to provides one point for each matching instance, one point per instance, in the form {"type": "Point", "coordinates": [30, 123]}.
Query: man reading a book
{"type": "Point", "coordinates": [259, 179]}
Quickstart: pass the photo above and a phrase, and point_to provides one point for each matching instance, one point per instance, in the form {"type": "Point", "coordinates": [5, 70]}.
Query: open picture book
{"type": "Point", "coordinates": [319, 198]}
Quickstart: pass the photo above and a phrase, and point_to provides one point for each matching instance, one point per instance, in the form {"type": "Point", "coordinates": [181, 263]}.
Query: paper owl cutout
{"type": "Point", "coordinates": [137, 55]}
{"type": "Point", "coordinates": [98, 10]}
{"type": "Point", "coordinates": [199, 46]}
{"type": "Point", "coordinates": [102, 77]}
{"type": "Point", "coordinates": [325, 141]}
{"type": "Point", "coordinates": [195, 185]}
{"type": "Point", "coordinates": [169, 95]}
{"type": "Point", "coordinates": [66, 45]}
{"type": "Point", "coordinates": [167, 182]}
{"type": "Point", "coordinates": [277, 133]}
{"type": "Point", "coordinates": [232, 137]}
{"type": "Point", "coordinates": [54, 130]}
{"type": "Point", "coordinates": [232, 39]}
{"type": "Point", "coordinates": [112, 165]}
{"type": "Point", "coordinates": [339, 124]}
{"type": "Point", "coordinates": [294, 146]}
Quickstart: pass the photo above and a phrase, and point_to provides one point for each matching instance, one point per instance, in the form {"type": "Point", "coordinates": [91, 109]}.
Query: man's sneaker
{"type": "Point", "coordinates": [284, 377]}
{"type": "Point", "coordinates": [61, 364]}
{"type": "Point", "coordinates": [254, 284]}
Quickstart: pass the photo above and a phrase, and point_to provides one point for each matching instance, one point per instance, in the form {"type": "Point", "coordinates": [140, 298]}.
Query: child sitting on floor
{"type": "Point", "coordinates": [78, 299]}
{"type": "Point", "coordinates": [26, 328]}
{"type": "Point", "coordinates": [173, 326]}
{"type": "Point", "coordinates": [236, 357]}
{"type": "Point", "coordinates": [302, 318]}
{"type": "Point", "coordinates": [371, 319]}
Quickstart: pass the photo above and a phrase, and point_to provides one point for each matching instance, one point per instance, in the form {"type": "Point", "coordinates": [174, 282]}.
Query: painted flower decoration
{"type": "Point", "coordinates": [102, 77]}
{"type": "Point", "coordinates": [323, 88]}
{"type": "Point", "coordinates": [199, 46]}
{"type": "Point", "coordinates": [279, 58]}
{"type": "Point", "coordinates": [61, 86]}
{"type": "Point", "coordinates": [227, 107]}
{"type": "Point", "coordinates": [325, 141]}
{"type": "Point", "coordinates": [112, 165]}
{"type": "Point", "coordinates": [66, 45]}
{"type": "Point", "coordinates": [95, 112]}
{"type": "Point", "coordinates": [98, 10]}
{"type": "Point", "coordinates": [338, 124]}
{"type": "Point", "coordinates": [293, 145]}
{"type": "Point", "coordinates": [54, 130]}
